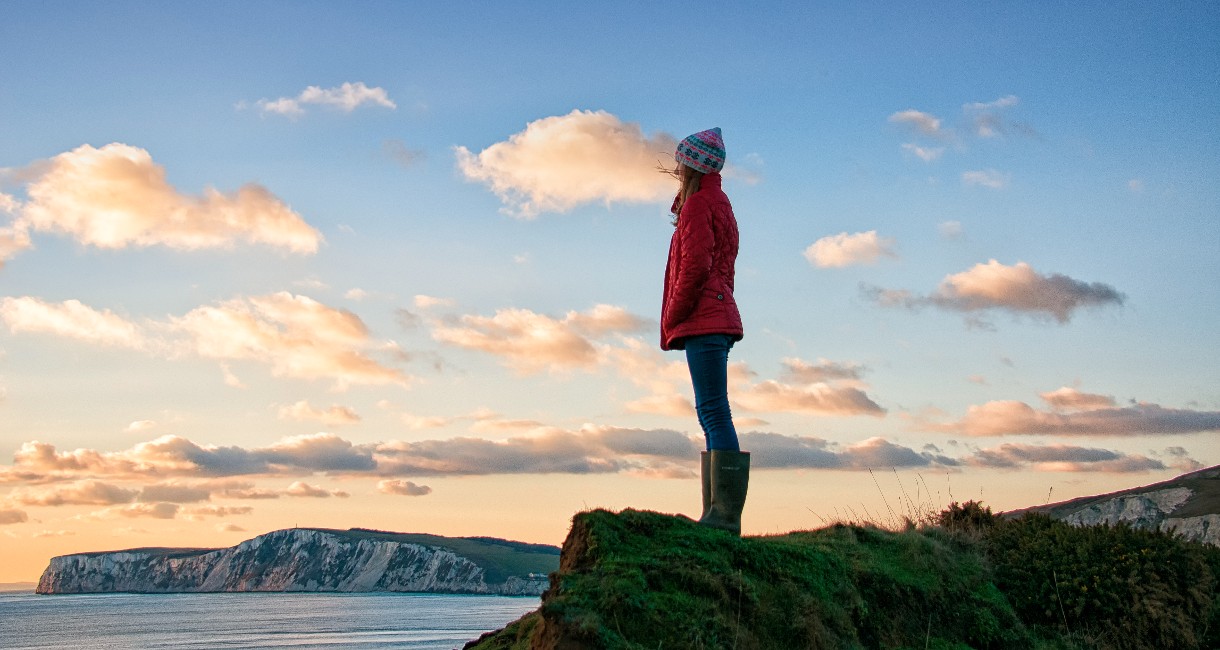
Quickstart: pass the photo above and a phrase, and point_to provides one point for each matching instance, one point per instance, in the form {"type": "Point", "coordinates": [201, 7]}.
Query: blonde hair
{"type": "Point", "coordinates": [688, 183]}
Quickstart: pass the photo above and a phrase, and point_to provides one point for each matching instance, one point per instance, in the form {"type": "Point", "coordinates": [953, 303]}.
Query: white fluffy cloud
{"type": "Point", "coordinates": [926, 154]}
{"type": "Point", "coordinates": [816, 398]}
{"type": "Point", "coordinates": [303, 489]}
{"type": "Point", "coordinates": [70, 319]}
{"type": "Point", "coordinates": [836, 251]}
{"type": "Point", "coordinates": [334, 415]}
{"type": "Point", "coordinates": [1018, 289]}
{"type": "Point", "coordinates": [298, 337]}
{"type": "Point", "coordinates": [531, 342]}
{"type": "Point", "coordinates": [924, 123]}
{"type": "Point", "coordinates": [86, 492]}
{"type": "Point", "coordinates": [560, 162]}
{"type": "Point", "coordinates": [116, 197]}
{"type": "Point", "coordinates": [346, 97]}
{"type": "Point", "coordinates": [401, 487]}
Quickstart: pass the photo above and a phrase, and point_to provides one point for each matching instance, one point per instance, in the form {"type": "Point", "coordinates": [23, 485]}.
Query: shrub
{"type": "Point", "coordinates": [971, 516]}
{"type": "Point", "coordinates": [1113, 586]}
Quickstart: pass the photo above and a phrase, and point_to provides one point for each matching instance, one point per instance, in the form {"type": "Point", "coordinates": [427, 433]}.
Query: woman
{"type": "Point", "coordinates": [699, 315]}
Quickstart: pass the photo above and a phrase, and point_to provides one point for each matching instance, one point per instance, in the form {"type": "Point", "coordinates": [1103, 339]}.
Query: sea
{"type": "Point", "coordinates": [253, 620]}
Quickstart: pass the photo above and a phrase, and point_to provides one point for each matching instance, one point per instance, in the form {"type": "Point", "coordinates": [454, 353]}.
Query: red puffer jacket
{"type": "Point", "coordinates": [699, 275]}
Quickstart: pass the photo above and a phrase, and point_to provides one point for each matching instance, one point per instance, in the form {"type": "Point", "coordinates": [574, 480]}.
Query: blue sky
{"type": "Point", "coordinates": [978, 258]}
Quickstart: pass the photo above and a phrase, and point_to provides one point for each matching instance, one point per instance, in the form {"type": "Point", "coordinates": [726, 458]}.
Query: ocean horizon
{"type": "Point", "coordinates": [405, 621]}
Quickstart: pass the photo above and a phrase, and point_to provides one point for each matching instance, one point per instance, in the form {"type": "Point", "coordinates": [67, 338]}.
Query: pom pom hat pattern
{"type": "Point", "coordinates": [703, 151]}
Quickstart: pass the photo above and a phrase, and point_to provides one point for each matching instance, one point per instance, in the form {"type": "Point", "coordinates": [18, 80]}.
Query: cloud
{"type": "Point", "coordinates": [347, 98]}
{"type": "Point", "coordinates": [924, 123]}
{"type": "Point", "coordinates": [335, 415]}
{"type": "Point", "coordinates": [88, 492]}
{"type": "Point", "coordinates": [802, 372]}
{"type": "Point", "coordinates": [1078, 415]}
{"type": "Point", "coordinates": [117, 197]}
{"type": "Point", "coordinates": [13, 240]}
{"type": "Point", "coordinates": [428, 302]}
{"type": "Point", "coordinates": [398, 151]}
{"type": "Point", "coordinates": [141, 425]}
{"type": "Point", "coordinates": [926, 154]}
{"type": "Point", "coordinates": [1017, 289]}
{"type": "Point", "coordinates": [296, 336]}
{"type": "Point", "coordinates": [529, 342]}
{"type": "Point", "coordinates": [12, 517]}
{"type": "Point", "coordinates": [70, 319]}
{"type": "Point", "coordinates": [558, 163]}
{"type": "Point", "coordinates": [1062, 458]}
{"type": "Point", "coordinates": [303, 489]}
{"type": "Point", "coordinates": [404, 488]}
{"type": "Point", "coordinates": [818, 398]}
{"type": "Point", "coordinates": [591, 450]}
{"type": "Point", "coordinates": [8, 203]}
{"type": "Point", "coordinates": [53, 533]}
{"type": "Point", "coordinates": [988, 178]}
{"type": "Point", "coordinates": [987, 119]}
{"type": "Point", "coordinates": [174, 493]}
{"type": "Point", "coordinates": [175, 456]}
{"type": "Point", "coordinates": [588, 450]}
{"type": "Point", "coordinates": [1181, 460]}
{"type": "Point", "coordinates": [841, 250]}
{"type": "Point", "coordinates": [150, 510]}
{"type": "Point", "coordinates": [824, 388]}
{"type": "Point", "coordinates": [1007, 101]}
{"type": "Point", "coordinates": [1070, 399]}
{"type": "Point", "coordinates": [950, 230]}
{"type": "Point", "coordinates": [773, 450]}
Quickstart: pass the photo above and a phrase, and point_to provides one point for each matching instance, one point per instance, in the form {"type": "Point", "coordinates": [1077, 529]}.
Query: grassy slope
{"type": "Point", "coordinates": [645, 580]}
{"type": "Point", "coordinates": [499, 558]}
{"type": "Point", "coordinates": [1205, 500]}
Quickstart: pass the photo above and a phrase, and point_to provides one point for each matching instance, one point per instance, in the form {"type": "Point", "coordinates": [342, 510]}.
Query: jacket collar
{"type": "Point", "coordinates": [710, 181]}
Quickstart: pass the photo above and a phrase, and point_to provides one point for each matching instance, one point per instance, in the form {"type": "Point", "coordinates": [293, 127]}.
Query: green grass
{"type": "Point", "coordinates": [645, 580]}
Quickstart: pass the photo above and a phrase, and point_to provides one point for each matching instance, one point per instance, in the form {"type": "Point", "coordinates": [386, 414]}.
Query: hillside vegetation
{"type": "Point", "coordinates": [964, 579]}
{"type": "Point", "coordinates": [500, 558]}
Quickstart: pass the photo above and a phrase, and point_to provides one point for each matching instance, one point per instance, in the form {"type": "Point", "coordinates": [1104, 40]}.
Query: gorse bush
{"type": "Point", "coordinates": [971, 516]}
{"type": "Point", "coordinates": [1106, 586]}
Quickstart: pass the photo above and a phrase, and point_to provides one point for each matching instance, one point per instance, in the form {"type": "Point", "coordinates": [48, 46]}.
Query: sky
{"type": "Point", "coordinates": [398, 265]}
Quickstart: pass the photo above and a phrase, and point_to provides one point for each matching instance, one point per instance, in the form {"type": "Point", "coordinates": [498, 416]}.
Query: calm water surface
{"type": "Point", "coordinates": [404, 621]}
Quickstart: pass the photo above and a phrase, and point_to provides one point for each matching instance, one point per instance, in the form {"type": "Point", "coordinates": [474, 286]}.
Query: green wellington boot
{"type": "Point", "coordinates": [705, 476]}
{"type": "Point", "coordinates": [730, 476]}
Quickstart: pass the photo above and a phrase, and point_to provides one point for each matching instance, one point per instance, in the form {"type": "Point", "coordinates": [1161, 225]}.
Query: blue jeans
{"type": "Point", "coordinates": [707, 357]}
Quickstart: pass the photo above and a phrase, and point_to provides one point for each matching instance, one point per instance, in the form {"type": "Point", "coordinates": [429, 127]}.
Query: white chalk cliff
{"type": "Point", "coordinates": [286, 560]}
{"type": "Point", "coordinates": [1188, 505]}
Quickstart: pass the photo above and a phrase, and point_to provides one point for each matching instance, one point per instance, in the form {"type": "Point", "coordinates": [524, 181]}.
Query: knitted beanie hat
{"type": "Point", "coordinates": [703, 151]}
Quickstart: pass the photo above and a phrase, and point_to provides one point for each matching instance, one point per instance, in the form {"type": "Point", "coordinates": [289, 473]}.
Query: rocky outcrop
{"type": "Point", "coordinates": [295, 560]}
{"type": "Point", "coordinates": [1188, 505]}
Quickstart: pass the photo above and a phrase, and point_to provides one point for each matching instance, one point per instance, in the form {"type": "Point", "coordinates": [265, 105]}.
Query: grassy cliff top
{"type": "Point", "coordinates": [646, 580]}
